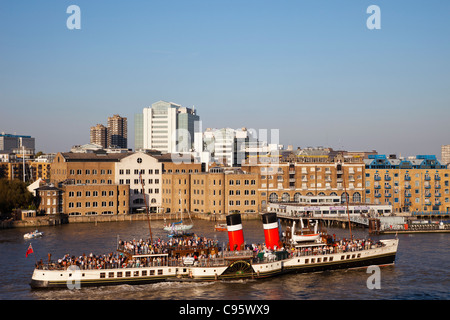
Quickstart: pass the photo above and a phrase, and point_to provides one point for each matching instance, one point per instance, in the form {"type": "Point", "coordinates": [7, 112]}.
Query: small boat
{"type": "Point", "coordinates": [305, 234]}
{"type": "Point", "coordinates": [177, 226]}
{"type": "Point", "coordinates": [180, 226]}
{"type": "Point", "coordinates": [33, 234]}
{"type": "Point", "coordinates": [220, 227]}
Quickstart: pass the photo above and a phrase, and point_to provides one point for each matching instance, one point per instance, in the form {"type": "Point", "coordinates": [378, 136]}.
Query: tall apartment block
{"type": "Point", "coordinates": [117, 132]}
{"type": "Point", "coordinates": [445, 154]}
{"type": "Point", "coordinates": [99, 135]}
{"type": "Point", "coordinates": [114, 135]}
{"type": "Point", "coordinates": [167, 127]}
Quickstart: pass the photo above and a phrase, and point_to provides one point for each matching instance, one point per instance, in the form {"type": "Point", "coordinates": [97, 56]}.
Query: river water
{"type": "Point", "coordinates": [421, 271]}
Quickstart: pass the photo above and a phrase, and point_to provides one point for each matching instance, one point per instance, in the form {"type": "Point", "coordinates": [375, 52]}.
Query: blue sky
{"type": "Point", "coordinates": [311, 69]}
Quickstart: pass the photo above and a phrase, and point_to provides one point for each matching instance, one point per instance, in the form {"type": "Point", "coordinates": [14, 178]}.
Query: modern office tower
{"type": "Point", "coordinates": [168, 127]}
{"type": "Point", "coordinates": [16, 143]}
{"type": "Point", "coordinates": [445, 154]}
{"type": "Point", "coordinates": [138, 131]}
{"type": "Point", "coordinates": [117, 131]}
{"type": "Point", "coordinates": [99, 135]}
{"type": "Point", "coordinates": [227, 146]}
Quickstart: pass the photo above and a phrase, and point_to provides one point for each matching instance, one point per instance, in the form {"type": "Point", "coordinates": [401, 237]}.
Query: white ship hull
{"type": "Point", "coordinates": [239, 268]}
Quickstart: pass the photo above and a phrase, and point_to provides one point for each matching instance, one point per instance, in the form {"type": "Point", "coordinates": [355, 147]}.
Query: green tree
{"type": "Point", "coordinates": [13, 194]}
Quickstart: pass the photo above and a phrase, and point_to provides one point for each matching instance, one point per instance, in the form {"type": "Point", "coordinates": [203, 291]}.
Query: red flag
{"type": "Point", "coordinates": [29, 250]}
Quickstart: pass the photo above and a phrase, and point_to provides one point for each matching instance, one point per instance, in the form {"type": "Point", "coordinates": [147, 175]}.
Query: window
{"type": "Point", "coordinates": [139, 160]}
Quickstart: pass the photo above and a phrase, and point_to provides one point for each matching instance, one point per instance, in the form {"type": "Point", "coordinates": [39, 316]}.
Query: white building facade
{"type": "Point", "coordinates": [130, 170]}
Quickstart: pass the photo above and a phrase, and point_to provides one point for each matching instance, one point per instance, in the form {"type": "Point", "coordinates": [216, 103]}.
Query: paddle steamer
{"type": "Point", "coordinates": [281, 255]}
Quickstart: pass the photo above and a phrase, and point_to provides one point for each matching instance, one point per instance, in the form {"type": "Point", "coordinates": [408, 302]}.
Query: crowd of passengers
{"type": "Point", "coordinates": [123, 259]}
{"type": "Point", "coordinates": [344, 245]}
{"type": "Point", "coordinates": [159, 246]}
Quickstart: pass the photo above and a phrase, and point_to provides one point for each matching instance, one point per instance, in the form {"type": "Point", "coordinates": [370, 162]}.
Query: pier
{"type": "Point", "coordinates": [376, 225]}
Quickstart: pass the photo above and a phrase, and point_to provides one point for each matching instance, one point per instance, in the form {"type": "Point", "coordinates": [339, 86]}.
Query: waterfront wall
{"type": "Point", "coordinates": [53, 220]}
{"type": "Point", "coordinates": [158, 216]}
{"type": "Point", "coordinates": [48, 220]}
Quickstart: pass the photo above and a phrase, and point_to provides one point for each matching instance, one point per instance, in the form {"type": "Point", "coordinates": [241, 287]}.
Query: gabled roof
{"type": "Point", "coordinates": [97, 157]}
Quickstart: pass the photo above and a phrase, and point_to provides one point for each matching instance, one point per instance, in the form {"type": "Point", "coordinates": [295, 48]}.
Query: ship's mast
{"type": "Point", "coordinates": [146, 207]}
{"type": "Point", "coordinates": [348, 198]}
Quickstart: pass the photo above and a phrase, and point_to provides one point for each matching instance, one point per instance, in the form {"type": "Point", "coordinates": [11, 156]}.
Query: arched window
{"type": "Point", "coordinates": [297, 197]}
{"type": "Point", "coordinates": [321, 194]}
{"type": "Point", "coordinates": [285, 197]}
{"type": "Point", "coordinates": [344, 197]}
{"type": "Point", "coordinates": [273, 197]}
{"type": "Point", "coordinates": [356, 197]}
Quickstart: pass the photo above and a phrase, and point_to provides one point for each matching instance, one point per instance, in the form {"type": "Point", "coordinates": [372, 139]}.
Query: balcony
{"type": "Point", "coordinates": [377, 178]}
{"type": "Point", "coordinates": [387, 178]}
{"type": "Point", "coordinates": [438, 202]}
{"type": "Point", "coordinates": [377, 187]}
{"type": "Point", "coordinates": [387, 186]}
{"type": "Point", "coordinates": [377, 195]}
{"type": "Point", "coordinates": [437, 178]}
{"type": "Point", "coordinates": [387, 195]}
{"type": "Point", "coordinates": [427, 195]}
{"type": "Point", "coordinates": [437, 194]}
{"type": "Point", "coordinates": [427, 178]}
{"type": "Point", "coordinates": [291, 171]}
{"type": "Point", "coordinates": [408, 195]}
{"type": "Point", "coordinates": [438, 186]}
{"type": "Point", "coordinates": [427, 187]}
{"type": "Point", "coordinates": [407, 186]}
{"type": "Point", "coordinates": [407, 178]}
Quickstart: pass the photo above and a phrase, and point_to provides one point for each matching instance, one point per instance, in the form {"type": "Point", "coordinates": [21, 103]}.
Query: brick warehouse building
{"type": "Point", "coordinates": [174, 186]}
{"type": "Point", "coordinates": [120, 174]}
